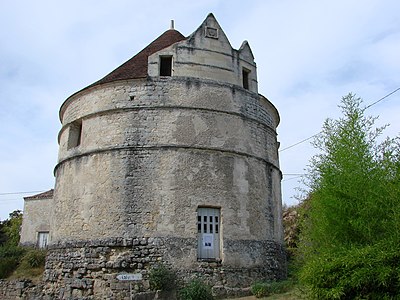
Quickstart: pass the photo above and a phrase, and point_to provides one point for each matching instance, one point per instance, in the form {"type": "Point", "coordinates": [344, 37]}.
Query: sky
{"type": "Point", "coordinates": [309, 54]}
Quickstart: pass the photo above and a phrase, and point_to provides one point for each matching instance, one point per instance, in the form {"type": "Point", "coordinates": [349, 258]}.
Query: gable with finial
{"type": "Point", "coordinates": [208, 54]}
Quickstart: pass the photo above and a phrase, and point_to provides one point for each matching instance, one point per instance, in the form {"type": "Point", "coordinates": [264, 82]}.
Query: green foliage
{"type": "Point", "coordinates": [354, 182]}
{"type": "Point", "coordinates": [260, 289]}
{"type": "Point", "coordinates": [370, 272]}
{"type": "Point", "coordinates": [264, 289]}
{"type": "Point", "coordinates": [34, 258]}
{"type": "Point", "coordinates": [161, 278]}
{"type": "Point", "coordinates": [10, 229]}
{"type": "Point", "coordinates": [31, 264]}
{"type": "Point", "coordinates": [10, 252]}
{"type": "Point", "coordinates": [353, 205]}
{"type": "Point", "coordinates": [7, 266]}
{"type": "Point", "coordinates": [196, 290]}
{"type": "Point", "coordinates": [10, 257]}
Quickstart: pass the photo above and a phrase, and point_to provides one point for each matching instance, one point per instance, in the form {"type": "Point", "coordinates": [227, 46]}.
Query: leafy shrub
{"type": "Point", "coordinates": [7, 266]}
{"type": "Point", "coordinates": [260, 289]}
{"type": "Point", "coordinates": [34, 258]}
{"type": "Point", "coordinates": [10, 257]}
{"type": "Point", "coordinates": [31, 265]}
{"type": "Point", "coordinates": [161, 278]}
{"type": "Point", "coordinates": [370, 272]}
{"type": "Point", "coordinates": [196, 290]}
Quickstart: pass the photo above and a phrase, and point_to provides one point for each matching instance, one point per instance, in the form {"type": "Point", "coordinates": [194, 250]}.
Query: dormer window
{"type": "Point", "coordinates": [165, 65]}
{"type": "Point", "coordinates": [245, 78]}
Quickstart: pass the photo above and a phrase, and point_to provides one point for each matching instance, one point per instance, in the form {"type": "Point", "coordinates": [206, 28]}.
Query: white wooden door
{"type": "Point", "coordinates": [43, 239]}
{"type": "Point", "coordinates": [208, 229]}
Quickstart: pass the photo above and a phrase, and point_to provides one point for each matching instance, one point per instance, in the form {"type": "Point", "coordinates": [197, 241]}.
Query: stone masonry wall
{"type": "Point", "coordinates": [88, 270]}
{"type": "Point", "coordinates": [149, 150]}
{"type": "Point", "coordinates": [151, 153]}
{"type": "Point", "coordinates": [21, 290]}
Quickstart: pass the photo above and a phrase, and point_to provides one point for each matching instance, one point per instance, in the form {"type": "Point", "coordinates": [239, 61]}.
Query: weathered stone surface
{"type": "Point", "coordinates": [225, 280]}
{"type": "Point", "coordinates": [36, 218]}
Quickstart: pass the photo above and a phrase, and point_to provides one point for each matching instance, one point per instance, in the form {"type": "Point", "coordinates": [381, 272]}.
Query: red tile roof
{"type": "Point", "coordinates": [136, 67]}
{"type": "Point", "coordinates": [45, 195]}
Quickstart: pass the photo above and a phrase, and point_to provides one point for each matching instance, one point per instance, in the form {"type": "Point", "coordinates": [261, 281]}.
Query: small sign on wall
{"type": "Point", "coordinates": [130, 277]}
{"type": "Point", "coordinates": [208, 241]}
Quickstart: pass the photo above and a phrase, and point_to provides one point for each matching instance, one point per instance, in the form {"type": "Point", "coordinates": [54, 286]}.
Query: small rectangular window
{"type": "Point", "coordinates": [245, 77]}
{"type": "Point", "coordinates": [75, 134]}
{"type": "Point", "coordinates": [165, 65]}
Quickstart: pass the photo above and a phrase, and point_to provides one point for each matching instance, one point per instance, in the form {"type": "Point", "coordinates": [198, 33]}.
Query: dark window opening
{"type": "Point", "coordinates": [245, 76]}
{"type": "Point", "coordinates": [75, 134]}
{"type": "Point", "coordinates": [165, 65]}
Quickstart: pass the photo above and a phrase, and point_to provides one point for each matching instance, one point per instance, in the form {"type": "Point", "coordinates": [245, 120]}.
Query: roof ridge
{"type": "Point", "coordinates": [136, 67]}
{"type": "Point", "coordinates": [44, 195]}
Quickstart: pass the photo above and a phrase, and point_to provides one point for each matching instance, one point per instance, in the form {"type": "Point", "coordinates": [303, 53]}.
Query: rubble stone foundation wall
{"type": "Point", "coordinates": [88, 270]}
{"type": "Point", "coordinates": [20, 289]}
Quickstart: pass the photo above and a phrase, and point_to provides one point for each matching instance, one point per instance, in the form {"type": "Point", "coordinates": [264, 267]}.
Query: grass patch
{"type": "Point", "coordinates": [161, 278]}
{"type": "Point", "coordinates": [268, 288]}
{"type": "Point", "coordinates": [196, 290]}
{"type": "Point", "coordinates": [293, 294]}
{"type": "Point", "coordinates": [31, 265]}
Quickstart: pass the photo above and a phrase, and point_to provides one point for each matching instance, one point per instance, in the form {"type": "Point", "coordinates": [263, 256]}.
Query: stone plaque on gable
{"type": "Point", "coordinates": [211, 32]}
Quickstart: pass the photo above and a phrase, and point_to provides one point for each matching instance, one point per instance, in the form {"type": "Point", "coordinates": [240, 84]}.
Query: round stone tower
{"type": "Point", "coordinates": [171, 159]}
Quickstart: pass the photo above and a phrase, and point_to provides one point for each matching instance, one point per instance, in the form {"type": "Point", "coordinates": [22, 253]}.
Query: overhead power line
{"type": "Point", "coordinates": [372, 104]}
{"type": "Point", "coordinates": [293, 174]}
{"type": "Point", "coordinates": [18, 193]}
{"type": "Point", "coordinates": [302, 141]}
{"type": "Point", "coordinates": [292, 178]}
{"type": "Point", "coordinates": [384, 97]}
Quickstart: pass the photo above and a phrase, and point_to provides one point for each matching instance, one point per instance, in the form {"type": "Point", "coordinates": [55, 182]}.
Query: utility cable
{"type": "Point", "coordinates": [372, 104]}
{"type": "Point", "coordinates": [17, 193]}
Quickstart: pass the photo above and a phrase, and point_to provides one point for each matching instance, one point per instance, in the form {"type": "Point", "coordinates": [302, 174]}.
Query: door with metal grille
{"type": "Point", "coordinates": [208, 228]}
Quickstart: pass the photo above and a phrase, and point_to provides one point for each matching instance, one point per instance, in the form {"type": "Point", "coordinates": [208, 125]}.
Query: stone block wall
{"type": "Point", "coordinates": [21, 290]}
{"type": "Point", "coordinates": [88, 270]}
{"type": "Point", "coordinates": [153, 147]}
{"type": "Point", "coordinates": [153, 151]}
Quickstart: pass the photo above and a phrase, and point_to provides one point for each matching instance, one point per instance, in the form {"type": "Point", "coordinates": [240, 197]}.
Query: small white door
{"type": "Point", "coordinates": [43, 239]}
{"type": "Point", "coordinates": [208, 228]}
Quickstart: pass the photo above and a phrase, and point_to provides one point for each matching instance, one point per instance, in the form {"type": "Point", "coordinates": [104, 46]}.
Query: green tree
{"type": "Point", "coordinates": [354, 196]}
{"type": "Point", "coordinates": [10, 252]}
{"type": "Point", "coordinates": [10, 228]}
